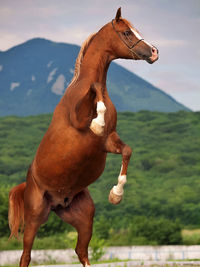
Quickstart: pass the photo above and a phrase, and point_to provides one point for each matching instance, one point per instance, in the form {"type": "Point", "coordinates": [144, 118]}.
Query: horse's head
{"type": "Point", "coordinates": [127, 42]}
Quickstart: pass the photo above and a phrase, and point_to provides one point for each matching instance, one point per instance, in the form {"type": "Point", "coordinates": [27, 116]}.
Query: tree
{"type": "Point", "coordinates": [157, 230]}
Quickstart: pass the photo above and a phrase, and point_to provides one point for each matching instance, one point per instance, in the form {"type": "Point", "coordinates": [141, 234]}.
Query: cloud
{"type": "Point", "coordinates": [183, 89]}
{"type": "Point", "coordinates": [164, 42]}
{"type": "Point", "coordinates": [9, 39]}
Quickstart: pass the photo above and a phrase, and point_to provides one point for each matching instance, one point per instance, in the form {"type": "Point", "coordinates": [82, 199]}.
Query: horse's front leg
{"type": "Point", "coordinates": [97, 124]}
{"type": "Point", "coordinates": [115, 145]}
{"type": "Point", "coordinates": [89, 110]}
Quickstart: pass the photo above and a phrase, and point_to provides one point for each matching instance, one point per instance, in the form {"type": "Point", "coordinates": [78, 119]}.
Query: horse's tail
{"type": "Point", "coordinates": [16, 209]}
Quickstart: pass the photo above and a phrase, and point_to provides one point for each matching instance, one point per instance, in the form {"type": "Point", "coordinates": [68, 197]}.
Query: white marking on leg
{"type": "Point", "coordinates": [97, 124]}
{"type": "Point", "coordinates": [87, 265]}
{"type": "Point", "coordinates": [118, 189]}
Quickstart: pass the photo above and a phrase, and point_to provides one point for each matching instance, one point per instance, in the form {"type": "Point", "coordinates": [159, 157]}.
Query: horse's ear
{"type": "Point", "coordinates": [118, 14]}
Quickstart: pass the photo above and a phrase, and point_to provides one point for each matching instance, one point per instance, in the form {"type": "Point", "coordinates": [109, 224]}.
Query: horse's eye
{"type": "Point", "coordinates": [127, 33]}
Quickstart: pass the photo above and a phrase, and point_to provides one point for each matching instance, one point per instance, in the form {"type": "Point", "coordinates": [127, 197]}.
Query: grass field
{"type": "Point", "coordinates": [191, 237]}
{"type": "Point", "coordinates": [68, 240]}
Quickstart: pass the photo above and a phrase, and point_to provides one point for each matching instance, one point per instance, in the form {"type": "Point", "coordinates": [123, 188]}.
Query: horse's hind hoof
{"type": "Point", "coordinates": [114, 198]}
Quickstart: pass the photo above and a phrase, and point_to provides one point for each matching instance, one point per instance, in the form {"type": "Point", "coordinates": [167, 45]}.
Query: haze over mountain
{"type": "Point", "coordinates": [34, 75]}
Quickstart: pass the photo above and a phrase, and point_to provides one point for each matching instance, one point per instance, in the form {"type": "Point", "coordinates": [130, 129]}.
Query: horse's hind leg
{"type": "Point", "coordinates": [80, 215]}
{"type": "Point", "coordinates": [36, 210]}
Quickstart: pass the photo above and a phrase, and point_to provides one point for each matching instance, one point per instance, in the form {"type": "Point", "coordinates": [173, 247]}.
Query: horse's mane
{"type": "Point", "coordinates": [83, 50]}
{"type": "Point", "coordinates": [80, 57]}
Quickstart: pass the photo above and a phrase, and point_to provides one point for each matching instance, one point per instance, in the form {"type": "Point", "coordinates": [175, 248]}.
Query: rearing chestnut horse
{"type": "Point", "coordinates": [72, 153]}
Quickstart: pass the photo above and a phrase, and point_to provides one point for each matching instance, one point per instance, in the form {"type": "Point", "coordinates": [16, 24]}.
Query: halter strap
{"type": "Point", "coordinates": [130, 47]}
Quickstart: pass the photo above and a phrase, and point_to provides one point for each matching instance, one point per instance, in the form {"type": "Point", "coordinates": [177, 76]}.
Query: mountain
{"type": "Point", "coordinates": [34, 75]}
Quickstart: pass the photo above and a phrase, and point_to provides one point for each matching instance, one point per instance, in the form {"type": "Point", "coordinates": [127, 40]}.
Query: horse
{"type": "Point", "coordinates": [72, 153]}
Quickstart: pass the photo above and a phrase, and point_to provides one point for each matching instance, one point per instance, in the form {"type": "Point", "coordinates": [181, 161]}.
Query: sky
{"type": "Point", "coordinates": [173, 26]}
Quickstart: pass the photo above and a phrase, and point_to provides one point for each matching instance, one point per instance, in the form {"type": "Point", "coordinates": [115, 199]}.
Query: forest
{"type": "Point", "coordinates": [161, 197]}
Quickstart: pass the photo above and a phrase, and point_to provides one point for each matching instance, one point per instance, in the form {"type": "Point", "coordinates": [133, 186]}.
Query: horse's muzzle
{"type": "Point", "coordinates": [154, 55]}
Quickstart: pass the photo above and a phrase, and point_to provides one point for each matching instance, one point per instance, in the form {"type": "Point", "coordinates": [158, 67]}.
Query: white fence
{"type": "Point", "coordinates": [143, 253]}
{"type": "Point", "coordinates": [155, 253]}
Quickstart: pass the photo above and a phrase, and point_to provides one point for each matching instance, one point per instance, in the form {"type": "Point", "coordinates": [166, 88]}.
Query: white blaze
{"type": "Point", "coordinates": [138, 36]}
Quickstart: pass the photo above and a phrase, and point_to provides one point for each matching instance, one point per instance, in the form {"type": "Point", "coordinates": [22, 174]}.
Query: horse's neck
{"type": "Point", "coordinates": [93, 69]}
{"type": "Point", "coordinates": [95, 66]}
{"type": "Point", "coordinates": [96, 60]}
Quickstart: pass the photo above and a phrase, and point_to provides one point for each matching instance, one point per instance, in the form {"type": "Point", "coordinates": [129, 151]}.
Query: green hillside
{"type": "Point", "coordinates": [163, 175]}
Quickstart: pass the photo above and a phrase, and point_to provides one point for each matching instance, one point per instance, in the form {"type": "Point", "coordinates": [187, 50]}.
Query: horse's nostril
{"type": "Point", "coordinates": [154, 50]}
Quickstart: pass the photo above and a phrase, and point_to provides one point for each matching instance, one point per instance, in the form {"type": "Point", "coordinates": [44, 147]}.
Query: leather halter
{"type": "Point", "coordinates": [129, 46]}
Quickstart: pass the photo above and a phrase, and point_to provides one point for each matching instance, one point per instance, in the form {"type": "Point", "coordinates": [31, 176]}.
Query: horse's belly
{"type": "Point", "coordinates": [70, 164]}
{"type": "Point", "coordinates": [88, 172]}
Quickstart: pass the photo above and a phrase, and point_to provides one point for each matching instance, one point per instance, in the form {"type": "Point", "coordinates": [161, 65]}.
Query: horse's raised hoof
{"type": "Point", "coordinates": [114, 198]}
{"type": "Point", "coordinates": [97, 128]}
